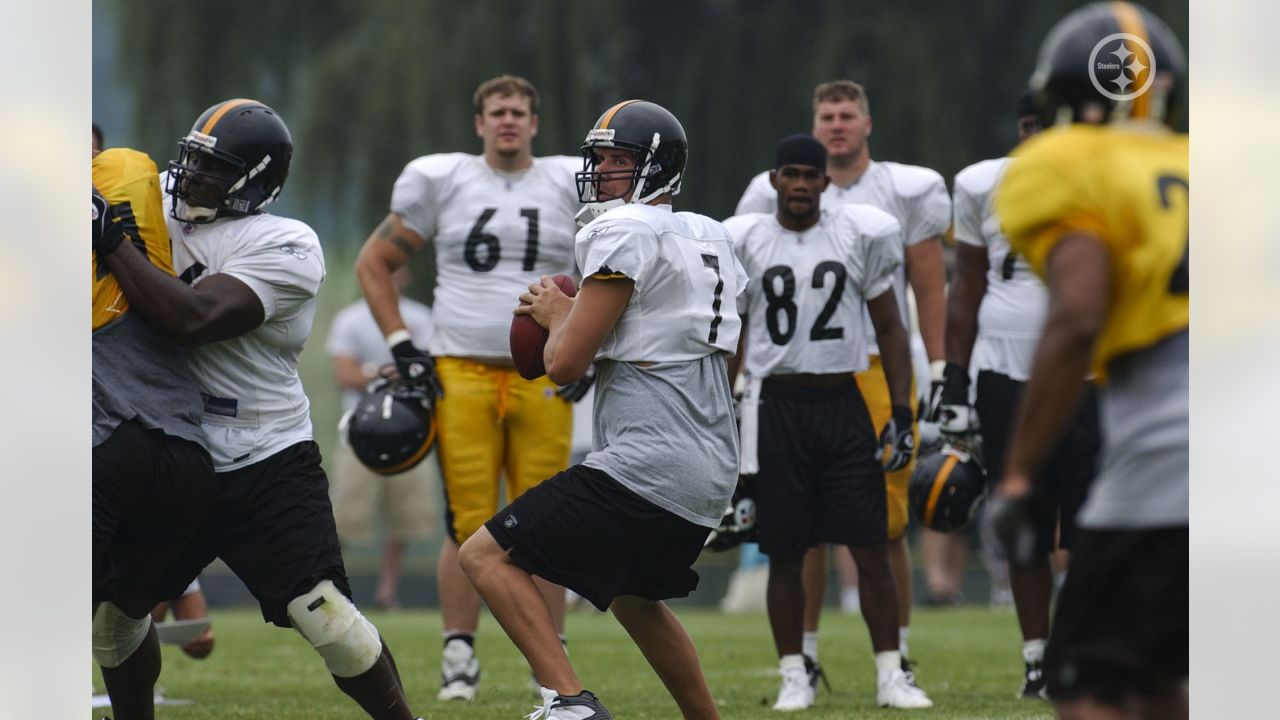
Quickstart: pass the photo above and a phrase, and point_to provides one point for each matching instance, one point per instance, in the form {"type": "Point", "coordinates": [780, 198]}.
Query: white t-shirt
{"type": "Point", "coordinates": [494, 233]}
{"type": "Point", "coordinates": [254, 404]}
{"type": "Point", "coordinates": [355, 334]}
{"type": "Point", "coordinates": [804, 301]}
{"type": "Point", "coordinates": [915, 196]}
{"type": "Point", "coordinates": [683, 267]}
{"type": "Point", "coordinates": [1014, 307]}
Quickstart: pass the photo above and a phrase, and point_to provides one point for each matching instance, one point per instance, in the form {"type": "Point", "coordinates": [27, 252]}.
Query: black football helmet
{"type": "Point", "coordinates": [233, 162]}
{"type": "Point", "coordinates": [653, 134]}
{"type": "Point", "coordinates": [1115, 56]}
{"type": "Point", "coordinates": [947, 488]}
{"type": "Point", "coordinates": [392, 428]}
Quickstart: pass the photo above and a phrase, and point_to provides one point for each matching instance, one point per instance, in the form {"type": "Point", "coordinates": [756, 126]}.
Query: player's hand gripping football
{"type": "Point", "coordinates": [949, 403]}
{"type": "Point", "coordinates": [897, 443]}
{"type": "Point", "coordinates": [417, 367]}
{"type": "Point", "coordinates": [545, 302]}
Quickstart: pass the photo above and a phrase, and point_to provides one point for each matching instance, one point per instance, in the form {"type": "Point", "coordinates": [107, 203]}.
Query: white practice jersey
{"type": "Point", "coordinates": [355, 334]}
{"type": "Point", "coordinates": [254, 404]}
{"type": "Point", "coordinates": [1013, 309]}
{"type": "Point", "coordinates": [916, 196]}
{"type": "Point", "coordinates": [687, 281]}
{"type": "Point", "coordinates": [804, 301]}
{"type": "Point", "coordinates": [494, 233]}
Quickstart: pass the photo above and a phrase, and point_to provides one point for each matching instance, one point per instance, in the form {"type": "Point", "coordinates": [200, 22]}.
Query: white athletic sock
{"type": "Point", "coordinates": [887, 663]}
{"type": "Point", "coordinates": [1033, 650]}
{"type": "Point", "coordinates": [904, 633]}
{"type": "Point", "coordinates": [810, 645]}
{"type": "Point", "coordinates": [791, 661]}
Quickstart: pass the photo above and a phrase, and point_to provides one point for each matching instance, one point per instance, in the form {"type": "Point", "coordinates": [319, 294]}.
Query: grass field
{"type": "Point", "coordinates": [969, 664]}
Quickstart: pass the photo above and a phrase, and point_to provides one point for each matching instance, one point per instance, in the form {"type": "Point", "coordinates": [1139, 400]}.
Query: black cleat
{"type": "Point", "coordinates": [1033, 683]}
{"type": "Point", "coordinates": [816, 673]}
{"type": "Point", "coordinates": [561, 707]}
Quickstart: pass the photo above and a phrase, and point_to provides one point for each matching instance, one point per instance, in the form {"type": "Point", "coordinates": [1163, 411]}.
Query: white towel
{"type": "Point", "coordinates": [749, 427]}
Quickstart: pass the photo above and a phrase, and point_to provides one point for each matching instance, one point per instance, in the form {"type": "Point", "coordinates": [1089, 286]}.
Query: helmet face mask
{"type": "Point", "coordinates": [655, 139]}
{"type": "Point", "coordinates": [234, 162]}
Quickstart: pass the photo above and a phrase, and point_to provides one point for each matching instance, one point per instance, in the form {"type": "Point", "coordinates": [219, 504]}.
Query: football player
{"type": "Point", "coordinates": [1097, 205]}
{"type": "Point", "coordinates": [153, 482]}
{"type": "Point", "coordinates": [495, 221]}
{"type": "Point", "coordinates": [917, 198]}
{"type": "Point", "coordinates": [995, 310]}
{"type": "Point", "coordinates": [623, 528]}
{"type": "Point", "coordinates": [820, 466]}
{"type": "Point", "coordinates": [243, 303]}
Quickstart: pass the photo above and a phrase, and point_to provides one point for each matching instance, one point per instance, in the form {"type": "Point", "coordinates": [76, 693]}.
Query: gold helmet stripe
{"type": "Point", "coordinates": [608, 115]}
{"type": "Point", "coordinates": [1130, 21]}
{"type": "Point", "coordinates": [223, 109]}
{"type": "Point", "coordinates": [939, 482]}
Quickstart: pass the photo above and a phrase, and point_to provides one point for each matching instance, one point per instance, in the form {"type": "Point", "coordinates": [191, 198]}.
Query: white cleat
{"type": "Point", "coordinates": [898, 692]}
{"type": "Point", "coordinates": [796, 692]}
{"type": "Point", "coordinates": [459, 672]}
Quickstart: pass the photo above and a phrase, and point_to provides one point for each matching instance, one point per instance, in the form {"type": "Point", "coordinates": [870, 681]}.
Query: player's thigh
{"type": "Point", "coordinates": [283, 538]}
{"type": "Point", "coordinates": [355, 491]}
{"type": "Point", "coordinates": [539, 433]}
{"type": "Point", "coordinates": [411, 500]}
{"type": "Point", "coordinates": [469, 443]}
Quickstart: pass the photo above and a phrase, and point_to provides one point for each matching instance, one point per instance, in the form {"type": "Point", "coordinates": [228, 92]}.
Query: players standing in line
{"type": "Point", "coordinates": [153, 483]}
{"type": "Point", "coordinates": [243, 304]}
{"type": "Point", "coordinates": [496, 221]}
{"type": "Point", "coordinates": [821, 467]}
{"type": "Point", "coordinates": [995, 312]}
{"type": "Point", "coordinates": [1098, 206]}
{"type": "Point", "coordinates": [917, 198]}
{"type": "Point", "coordinates": [623, 528]}
{"type": "Point", "coordinates": [404, 501]}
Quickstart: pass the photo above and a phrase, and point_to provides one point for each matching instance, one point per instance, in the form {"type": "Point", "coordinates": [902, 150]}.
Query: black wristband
{"type": "Point", "coordinates": [902, 416]}
{"type": "Point", "coordinates": [955, 385]}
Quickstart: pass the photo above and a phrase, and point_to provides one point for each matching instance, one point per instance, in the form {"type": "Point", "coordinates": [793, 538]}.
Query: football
{"type": "Point", "coordinates": [528, 338]}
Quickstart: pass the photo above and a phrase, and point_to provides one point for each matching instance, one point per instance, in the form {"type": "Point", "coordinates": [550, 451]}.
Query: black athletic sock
{"type": "Point", "coordinates": [464, 637]}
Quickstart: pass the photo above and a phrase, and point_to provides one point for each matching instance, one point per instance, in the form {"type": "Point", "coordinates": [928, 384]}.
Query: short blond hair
{"type": "Point", "coordinates": [838, 90]}
{"type": "Point", "coordinates": [505, 85]}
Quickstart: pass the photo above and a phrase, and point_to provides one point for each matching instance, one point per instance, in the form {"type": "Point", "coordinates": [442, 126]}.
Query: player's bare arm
{"type": "Point", "coordinates": [577, 329]}
{"type": "Point", "coordinates": [735, 363]}
{"type": "Point", "coordinates": [1079, 292]}
{"type": "Point", "coordinates": [968, 285]}
{"type": "Point", "coordinates": [218, 308]}
{"type": "Point", "coordinates": [388, 248]}
{"type": "Point", "coordinates": [349, 372]}
{"type": "Point", "coordinates": [895, 349]}
{"type": "Point", "coordinates": [927, 274]}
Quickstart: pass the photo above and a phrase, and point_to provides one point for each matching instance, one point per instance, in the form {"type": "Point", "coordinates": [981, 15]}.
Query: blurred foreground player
{"type": "Point", "coordinates": [623, 528]}
{"type": "Point", "coordinates": [1098, 206]}
{"type": "Point", "coordinates": [243, 304]}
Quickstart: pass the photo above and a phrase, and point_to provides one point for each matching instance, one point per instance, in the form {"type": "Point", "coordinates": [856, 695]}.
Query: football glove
{"type": "Point", "coordinates": [108, 233]}
{"type": "Point", "coordinates": [576, 390]}
{"type": "Point", "coordinates": [417, 367]}
{"type": "Point", "coordinates": [1015, 527]}
{"type": "Point", "coordinates": [949, 402]}
{"type": "Point", "coordinates": [897, 443]}
{"type": "Point", "coordinates": [739, 522]}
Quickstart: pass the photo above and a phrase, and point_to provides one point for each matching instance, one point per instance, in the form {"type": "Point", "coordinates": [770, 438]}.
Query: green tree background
{"type": "Point", "coordinates": [367, 85]}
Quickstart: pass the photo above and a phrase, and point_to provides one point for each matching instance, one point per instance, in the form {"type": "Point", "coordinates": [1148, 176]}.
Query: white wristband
{"type": "Point", "coordinates": [395, 337]}
{"type": "Point", "coordinates": [937, 369]}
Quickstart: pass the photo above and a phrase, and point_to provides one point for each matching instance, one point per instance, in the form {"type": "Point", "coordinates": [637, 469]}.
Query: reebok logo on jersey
{"type": "Point", "coordinates": [510, 522]}
{"type": "Point", "coordinates": [294, 250]}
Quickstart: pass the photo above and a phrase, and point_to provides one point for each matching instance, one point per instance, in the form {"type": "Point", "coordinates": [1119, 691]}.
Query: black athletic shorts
{"type": "Point", "coordinates": [1067, 474]}
{"type": "Point", "coordinates": [152, 495]}
{"type": "Point", "coordinates": [819, 480]}
{"type": "Point", "coordinates": [582, 529]}
{"type": "Point", "coordinates": [275, 530]}
{"type": "Point", "coordinates": [1123, 616]}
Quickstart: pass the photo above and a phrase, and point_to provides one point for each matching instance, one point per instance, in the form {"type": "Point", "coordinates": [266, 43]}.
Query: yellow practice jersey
{"type": "Point", "coordinates": [1127, 186]}
{"type": "Point", "coordinates": [130, 183]}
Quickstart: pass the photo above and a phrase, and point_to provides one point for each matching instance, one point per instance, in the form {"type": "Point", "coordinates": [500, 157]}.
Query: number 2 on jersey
{"type": "Point", "coordinates": [478, 238]}
{"type": "Point", "coordinates": [783, 302]}
{"type": "Point", "coordinates": [1179, 281]}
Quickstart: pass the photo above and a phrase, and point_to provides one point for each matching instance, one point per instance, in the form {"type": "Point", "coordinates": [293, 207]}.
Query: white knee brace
{"type": "Point", "coordinates": [349, 643]}
{"type": "Point", "coordinates": [115, 635]}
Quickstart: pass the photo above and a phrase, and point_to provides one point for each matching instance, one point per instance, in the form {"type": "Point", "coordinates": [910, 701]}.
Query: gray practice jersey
{"type": "Point", "coordinates": [666, 431]}
{"type": "Point", "coordinates": [1143, 480]}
